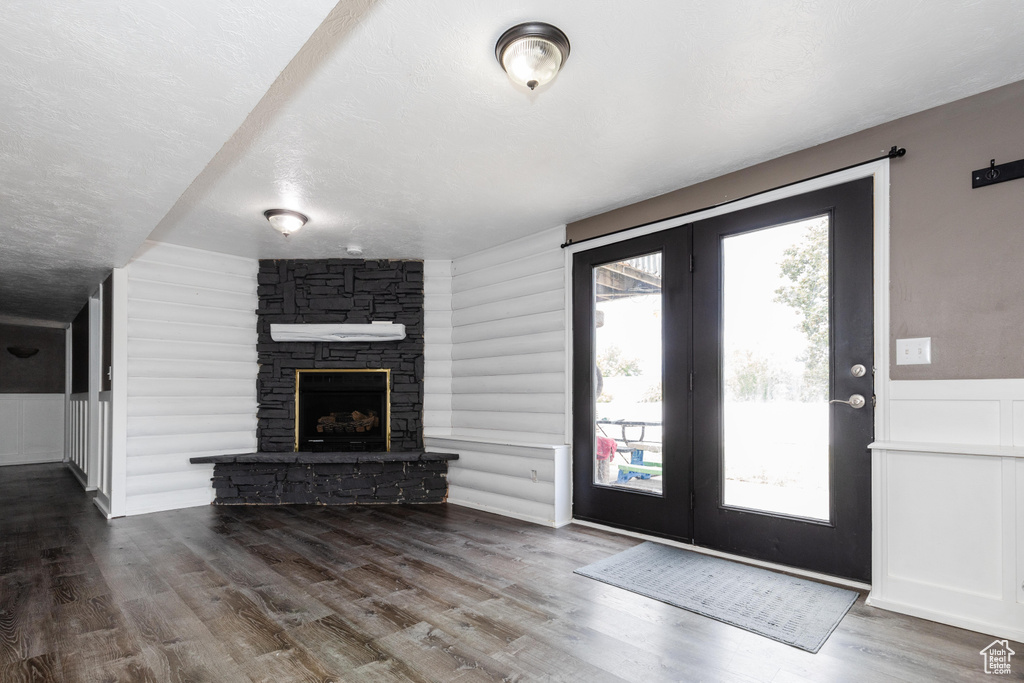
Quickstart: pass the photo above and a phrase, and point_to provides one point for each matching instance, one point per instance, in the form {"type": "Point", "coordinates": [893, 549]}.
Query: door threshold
{"type": "Point", "coordinates": [804, 573]}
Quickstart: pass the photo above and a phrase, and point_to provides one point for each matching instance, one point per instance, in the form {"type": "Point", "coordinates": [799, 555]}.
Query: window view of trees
{"type": "Point", "coordinates": [806, 267]}
{"type": "Point", "coordinates": [803, 272]}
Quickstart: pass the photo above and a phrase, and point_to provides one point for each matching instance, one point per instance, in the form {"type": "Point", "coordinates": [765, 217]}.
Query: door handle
{"type": "Point", "coordinates": [856, 401]}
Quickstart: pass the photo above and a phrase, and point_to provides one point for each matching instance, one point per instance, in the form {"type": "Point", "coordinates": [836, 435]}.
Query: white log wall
{"type": "Point", "coordinates": [192, 369]}
{"type": "Point", "coordinates": [31, 428]}
{"type": "Point", "coordinates": [508, 342]}
{"type": "Point", "coordinates": [506, 387]}
{"type": "Point", "coordinates": [437, 342]}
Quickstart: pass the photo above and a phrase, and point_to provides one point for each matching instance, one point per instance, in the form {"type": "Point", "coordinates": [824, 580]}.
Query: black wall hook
{"type": "Point", "coordinates": [997, 174]}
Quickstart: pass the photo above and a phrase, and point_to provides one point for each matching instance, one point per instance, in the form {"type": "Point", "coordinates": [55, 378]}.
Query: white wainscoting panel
{"type": "Point", "coordinates": [31, 428]}
{"type": "Point", "coordinates": [947, 502]}
{"type": "Point", "coordinates": [944, 421]}
{"type": "Point", "coordinates": [1017, 579]}
{"type": "Point", "coordinates": [518, 480]}
{"type": "Point", "coordinates": [192, 369]}
{"type": "Point", "coordinates": [437, 343]}
{"type": "Point", "coordinates": [945, 524]}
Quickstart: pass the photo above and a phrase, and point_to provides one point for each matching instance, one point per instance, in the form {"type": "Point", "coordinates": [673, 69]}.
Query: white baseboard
{"type": "Point", "coordinates": [79, 475]}
{"type": "Point", "coordinates": [506, 513]}
{"type": "Point", "coordinates": [35, 460]}
{"type": "Point", "coordinates": [101, 502]}
{"type": "Point", "coordinates": [1010, 632]}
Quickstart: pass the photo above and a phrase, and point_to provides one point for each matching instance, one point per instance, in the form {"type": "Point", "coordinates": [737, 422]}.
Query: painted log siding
{"type": "Point", "coordinates": [504, 391]}
{"type": "Point", "coordinates": [508, 319]}
{"type": "Point", "coordinates": [192, 369]}
{"type": "Point", "coordinates": [437, 348]}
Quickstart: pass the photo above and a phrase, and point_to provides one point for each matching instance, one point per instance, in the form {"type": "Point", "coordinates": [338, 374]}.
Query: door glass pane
{"type": "Point", "coordinates": [776, 369]}
{"type": "Point", "coordinates": [627, 317]}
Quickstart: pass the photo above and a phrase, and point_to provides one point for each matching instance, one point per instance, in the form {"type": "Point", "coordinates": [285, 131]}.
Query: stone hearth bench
{"type": "Point", "coordinates": [303, 478]}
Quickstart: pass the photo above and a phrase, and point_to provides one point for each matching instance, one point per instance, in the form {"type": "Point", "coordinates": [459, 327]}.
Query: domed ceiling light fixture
{"type": "Point", "coordinates": [285, 221]}
{"type": "Point", "coordinates": [532, 53]}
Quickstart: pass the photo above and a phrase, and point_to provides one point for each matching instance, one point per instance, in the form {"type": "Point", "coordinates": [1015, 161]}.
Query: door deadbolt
{"type": "Point", "coordinates": [856, 401]}
{"type": "Point", "coordinates": [858, 370]}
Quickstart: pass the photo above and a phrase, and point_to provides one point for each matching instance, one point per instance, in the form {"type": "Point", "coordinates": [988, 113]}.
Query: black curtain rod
{"type": "Point", "coordinates": [894, 153]}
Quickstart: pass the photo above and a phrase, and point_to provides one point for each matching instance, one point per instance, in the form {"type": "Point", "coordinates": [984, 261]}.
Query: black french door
{"type": "Point", "coordinates": [766, 392]}
{"type": "Point", "coordinates": [781, 470]}
{"type": "Point", "coordinates": [631, 405]}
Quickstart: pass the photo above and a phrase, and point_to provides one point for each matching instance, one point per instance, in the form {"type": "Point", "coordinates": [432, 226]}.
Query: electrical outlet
{"type": "Point", "coordinates": [917, 351]}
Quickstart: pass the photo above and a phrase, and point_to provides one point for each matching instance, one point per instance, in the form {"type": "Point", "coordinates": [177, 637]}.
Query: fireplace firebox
{"type": "Point", "coordinates": [342, 410]}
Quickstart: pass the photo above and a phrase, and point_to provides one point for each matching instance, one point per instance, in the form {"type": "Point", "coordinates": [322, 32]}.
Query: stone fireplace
{"type": "Point", "coordinates": [340, 291]}
{"type": "Point", "coordinates": [338, 423]}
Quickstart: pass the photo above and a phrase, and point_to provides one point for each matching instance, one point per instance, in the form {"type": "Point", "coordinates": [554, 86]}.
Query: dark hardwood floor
{"type": "Point", "coordinates": [386, 593]}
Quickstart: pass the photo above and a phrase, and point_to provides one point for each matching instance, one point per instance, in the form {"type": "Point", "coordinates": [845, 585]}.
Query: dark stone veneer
{"type": "Point", "coordinates": [330, 478]}
{"type": "Point", "coordinates": [339, 291]}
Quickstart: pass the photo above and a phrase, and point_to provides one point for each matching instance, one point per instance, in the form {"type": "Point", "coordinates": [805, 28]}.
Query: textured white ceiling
{"type": "Point", "coordinates": [395, 129]}
{"type": "Point", "coordinates": [108, 111]}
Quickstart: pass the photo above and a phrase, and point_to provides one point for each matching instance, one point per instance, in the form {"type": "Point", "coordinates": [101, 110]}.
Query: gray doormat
{"type": "Point", "coordinates": [793, 611]}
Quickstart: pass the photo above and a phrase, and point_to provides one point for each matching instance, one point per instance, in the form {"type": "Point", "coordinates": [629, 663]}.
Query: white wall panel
{"type": "Point", "coordinates": [506, 382]}
{"type": "Point", "coordinates": [512, 307]}
{"type": "Point", "coordinates": [518, 345]}
{"type": "Point", "coordinates": [947, 502]}
{"type": "Point", "coordinates": [545, 363]}
{"type": "Point", "coordinates": [540, 283]}
{"type": "Point", "coordinates": [192, 369]}
{"type": "Point", "coordinates": [525, 424]}
{"type": "Point", "coordinates": [164, 406]}
{"type": "Point", "coordinates": [157, 387]}
{"type": "Point", "coordinates": [1017, 415]}
{"type": "Point", "coordinates": [487, 268]}
{"type": "Point", "coordinates": [31, 428]}
{"type": "Point", "coordinates": [551, 321]}
{"type": "Point", "coordinates": [946, 421]}
{"type": "Point", "coordinates": [142, 290]}
{"type": "Point", "coordinates": [173, 350]}
{"type": "Point", "coordinates": [508, 321]}
{"type": "Point", "coordinates": [946, 524]}
{"type": "Point", "coordinates": [526, 481]}
{"type": "Point", "coordinates": [191, 313]}
{"type": "Point", "coordinates": [184, 332]}
{"type": "Point", "coordinates": [553, 403]}
{"type": "Point", "coordinates": [437, 347]}
{"type": "Point", "coordinates": [527, 383]}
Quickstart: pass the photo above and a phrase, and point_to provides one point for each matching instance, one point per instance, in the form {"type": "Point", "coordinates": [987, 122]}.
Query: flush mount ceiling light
{"type": "Point", "coordinates": [285, 221]}
{"type": "Point", "coordinates": [532, 53]}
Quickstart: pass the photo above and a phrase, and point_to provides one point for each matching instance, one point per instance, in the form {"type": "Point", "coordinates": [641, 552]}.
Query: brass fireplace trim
{"type": "Point", "coordinates": [387, 404]}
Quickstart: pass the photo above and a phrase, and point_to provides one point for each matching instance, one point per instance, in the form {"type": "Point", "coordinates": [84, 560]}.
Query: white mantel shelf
{"type": "Point", "coordinates": [337, 332]}
{"type": "Point", "coordinates": [948, 448]}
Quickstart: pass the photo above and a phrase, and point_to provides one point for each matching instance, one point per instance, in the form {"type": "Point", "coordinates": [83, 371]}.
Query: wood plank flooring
{"type": "Point", "coordinates": [384, 593]}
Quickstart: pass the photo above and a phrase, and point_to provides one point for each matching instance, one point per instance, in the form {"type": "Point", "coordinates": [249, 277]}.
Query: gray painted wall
{"type": "Point", "coordinates": [43, 373]}
{"type": "Point", "coordinates": [957, 259]}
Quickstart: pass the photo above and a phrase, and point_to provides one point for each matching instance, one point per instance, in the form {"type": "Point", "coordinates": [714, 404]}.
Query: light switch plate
{"type": "Point", "coordinates": [917, 351]}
